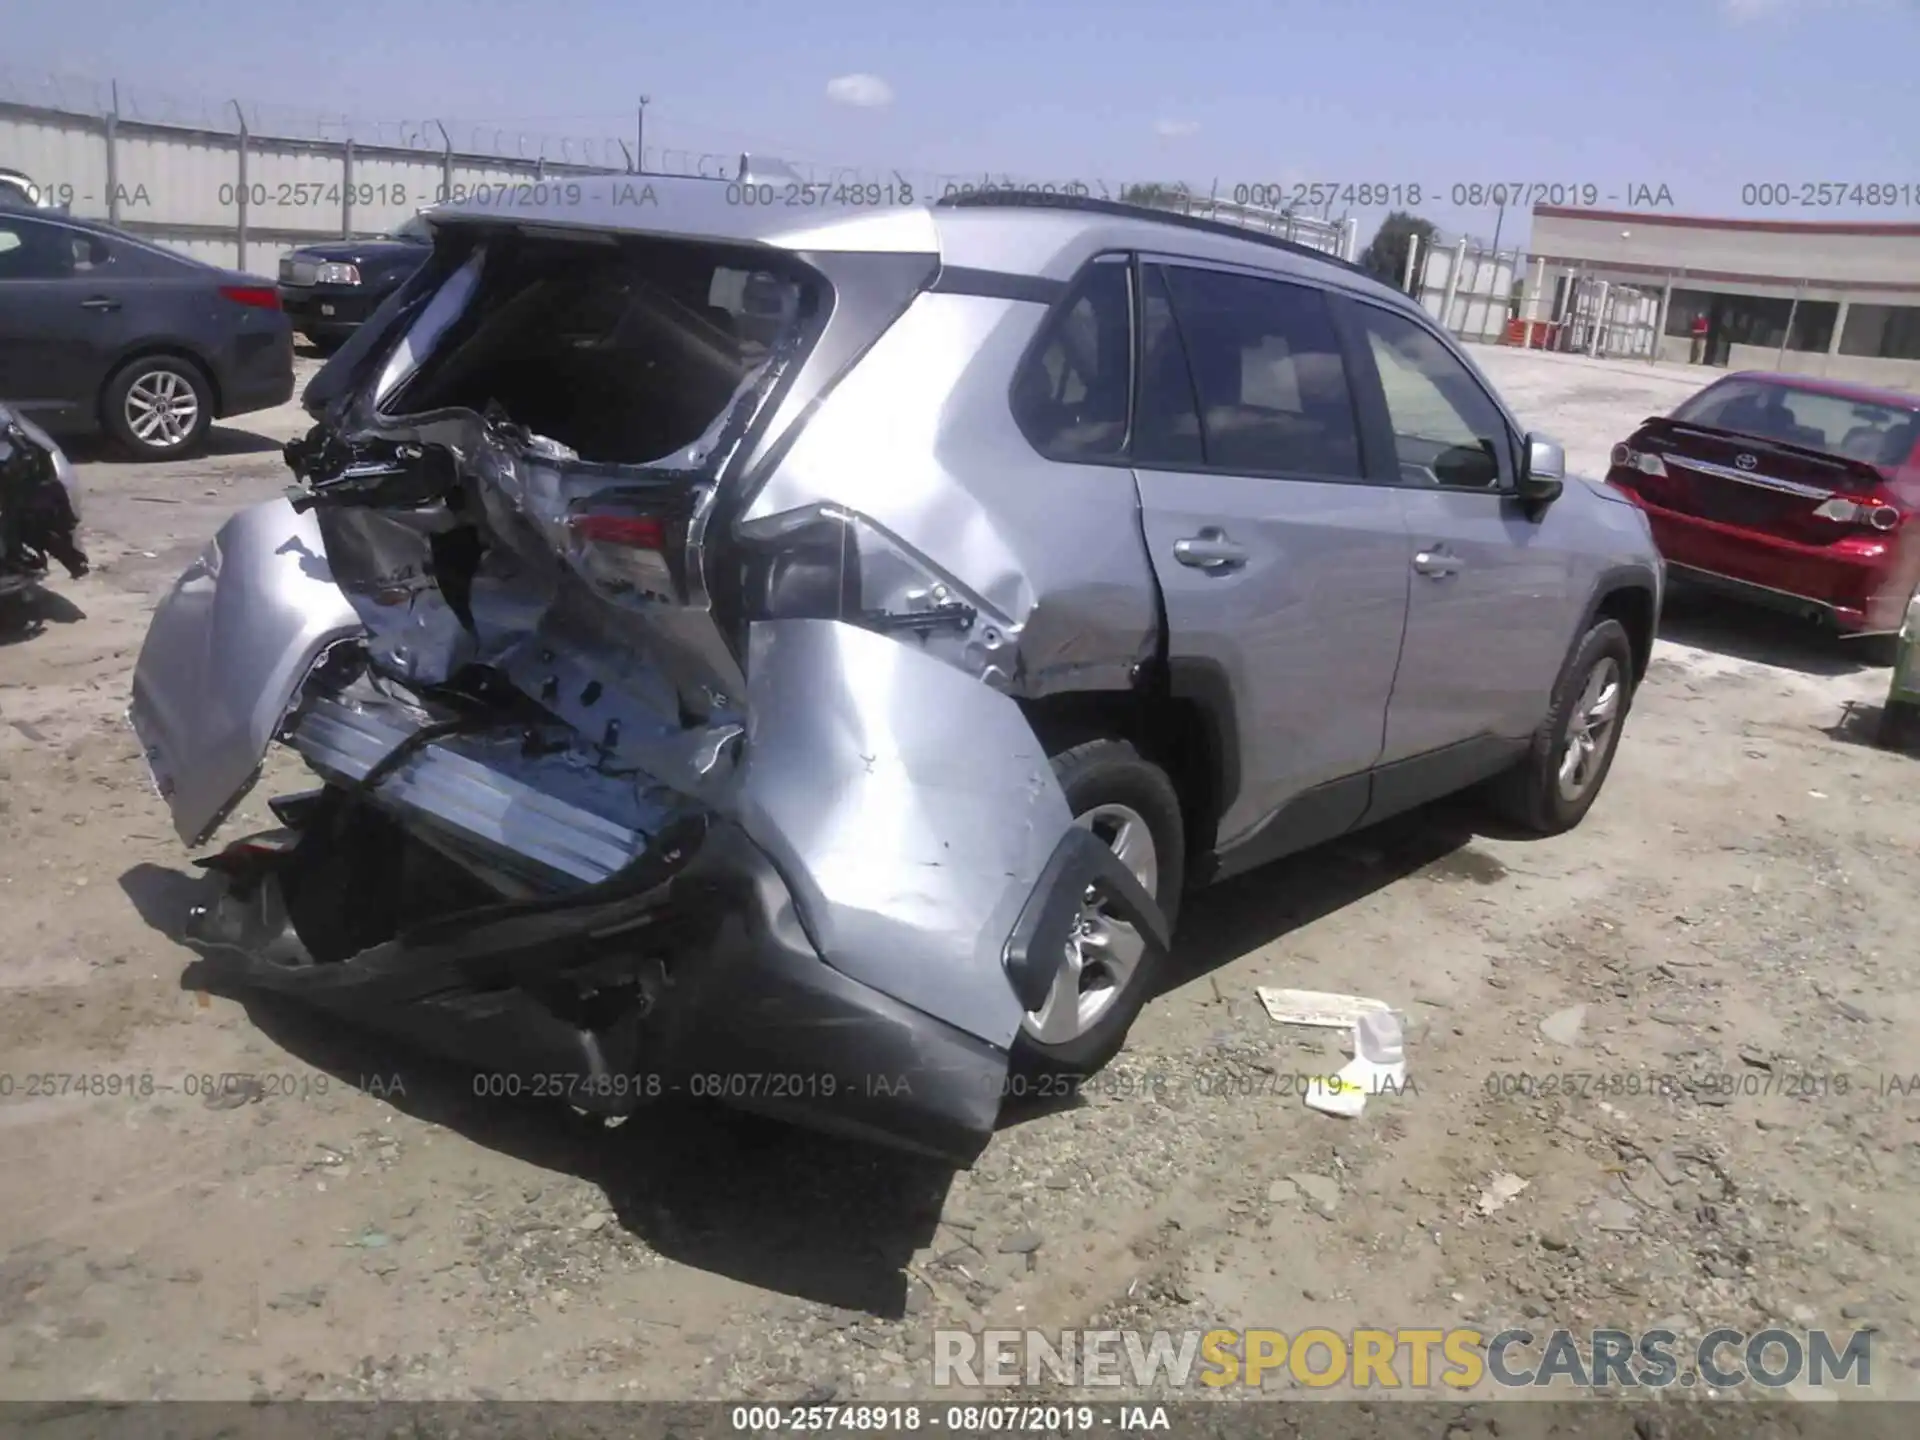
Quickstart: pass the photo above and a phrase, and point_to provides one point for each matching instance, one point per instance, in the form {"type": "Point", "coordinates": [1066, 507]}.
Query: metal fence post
{"type": "Point", "coordinates": [113, 158]}
{"type": "Point", "coordinates": [240, 224]}
{"type": "Point", "coordinates": [446, 161]}
{"type": "Point", "coordinates": [1793, 309]}
{"type": "Point", "coordinates": [1453, 284]}
{"type": "Point", "coordinates": [1660, 321]}
{"type": "Point", "coordinates": [346, 190]}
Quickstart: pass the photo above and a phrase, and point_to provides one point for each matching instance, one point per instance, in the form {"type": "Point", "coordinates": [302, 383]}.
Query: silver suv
{"type": "Point", "coordinates": [803, 656]}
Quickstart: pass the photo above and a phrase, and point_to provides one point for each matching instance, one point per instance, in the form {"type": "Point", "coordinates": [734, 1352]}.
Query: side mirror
{"type": "Point", "coordinates": [1543, 473]}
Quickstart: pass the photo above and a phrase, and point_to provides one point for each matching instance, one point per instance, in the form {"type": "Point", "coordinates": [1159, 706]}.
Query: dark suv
{"type": "Point", "coordinates": [328, 289]}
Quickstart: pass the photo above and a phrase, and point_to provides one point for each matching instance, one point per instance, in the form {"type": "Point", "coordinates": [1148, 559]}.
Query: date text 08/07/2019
{"type": "Point", "coordinates": [952, 1419]}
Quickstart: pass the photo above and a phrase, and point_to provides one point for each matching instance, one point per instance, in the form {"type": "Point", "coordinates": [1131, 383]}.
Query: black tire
{"type": "Point", "coordinates": [1529, 795]}
{"type": "Point", "coordinates": [1900, 725]}
{"type": "Point", "coordinates": [171, 375]}
{"type": "Point", "coordinates": [1093, 774]}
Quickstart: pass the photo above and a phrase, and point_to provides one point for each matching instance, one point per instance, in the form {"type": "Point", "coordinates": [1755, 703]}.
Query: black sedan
{"type": "Point", "coordinates": [328, 289]}
{"type": "Point", "coordinates": [100, 329]}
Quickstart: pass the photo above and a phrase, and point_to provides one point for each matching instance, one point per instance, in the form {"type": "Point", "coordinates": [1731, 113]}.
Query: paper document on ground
{"type": "Point", "coordinates": [1318, 1007]}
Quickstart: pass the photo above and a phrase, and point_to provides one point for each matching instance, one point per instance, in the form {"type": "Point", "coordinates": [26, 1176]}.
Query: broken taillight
{"type": "Point", "coordinates": [632, 532]}
{"type": "Point", "coordinates": [624, 554]}
{"type": "Point", "coordinates": [823, 563]}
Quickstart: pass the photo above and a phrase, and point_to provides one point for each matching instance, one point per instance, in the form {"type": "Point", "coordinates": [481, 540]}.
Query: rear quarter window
{"type": "Point", "coordinates": [1071, 394]}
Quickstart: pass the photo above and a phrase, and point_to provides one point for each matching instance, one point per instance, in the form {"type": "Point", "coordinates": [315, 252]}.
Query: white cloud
{"type": "Point", "coordinates": [1176, 128]}
{"type": "Point", "coordinates": [866, 91]}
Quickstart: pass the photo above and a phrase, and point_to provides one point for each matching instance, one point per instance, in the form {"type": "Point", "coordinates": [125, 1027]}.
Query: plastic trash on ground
{"type": "Point", "coordinates": [1379, 1063]}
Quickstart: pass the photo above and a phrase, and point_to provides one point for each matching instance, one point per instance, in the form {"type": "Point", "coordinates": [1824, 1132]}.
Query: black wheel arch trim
{"type": "Point", "coordinates": [1037, 946]}
{"type": "Point", "coordinates": [1616, 580]}
{"type": "Point", "coordinates": [1204, 684]}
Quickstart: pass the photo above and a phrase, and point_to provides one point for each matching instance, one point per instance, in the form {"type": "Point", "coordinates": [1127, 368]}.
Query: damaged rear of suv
{"type": "Point", "coordinates": [628, 783]}
{"type": "Point", "coordinates": [801, 655]}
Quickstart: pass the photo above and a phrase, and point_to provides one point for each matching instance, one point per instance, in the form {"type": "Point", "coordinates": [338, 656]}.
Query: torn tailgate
{"type": "Point", "coordinates": [225, 657]}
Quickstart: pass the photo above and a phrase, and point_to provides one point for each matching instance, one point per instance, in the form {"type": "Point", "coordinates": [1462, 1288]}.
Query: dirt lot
{"type": "Point", "coordinates": [1739, 904]}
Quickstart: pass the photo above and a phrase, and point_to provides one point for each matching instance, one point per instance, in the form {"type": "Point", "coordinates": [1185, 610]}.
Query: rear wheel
{"type": "Point", "coordinates": [158, 407]}
{"type": "Point", "coordinates": [1109, 971]}
{"type": "Point", "coordinates": [1552, 789]}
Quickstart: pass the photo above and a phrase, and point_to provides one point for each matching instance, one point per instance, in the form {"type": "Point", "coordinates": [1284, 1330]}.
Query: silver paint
{"type": "Point", "coordinates": [909, 808]}
{"type": "Point", "coordinates": [558, 813]}
{"type": "Point", "coordinates": [225, 656]}
{"type": "Point", "coordinates": [919, 438]}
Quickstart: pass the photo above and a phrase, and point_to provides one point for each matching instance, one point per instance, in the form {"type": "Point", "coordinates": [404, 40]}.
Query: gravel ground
{"type": "Point", "coordinates": [1737, 905]}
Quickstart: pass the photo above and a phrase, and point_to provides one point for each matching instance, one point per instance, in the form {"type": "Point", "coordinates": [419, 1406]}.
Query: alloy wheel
{"type": "Point", "coordinates": [1105, 951]}
{"type": "Point", "coordinates": [162, 409]}
{"type": "Point", "coordinates": [1590, 729]}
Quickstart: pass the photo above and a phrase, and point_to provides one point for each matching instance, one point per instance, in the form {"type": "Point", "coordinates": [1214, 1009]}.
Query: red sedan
{"type": "Point", "coordinates": [1789, 491]}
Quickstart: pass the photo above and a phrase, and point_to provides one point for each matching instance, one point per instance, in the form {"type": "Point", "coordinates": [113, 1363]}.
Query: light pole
{"type": "Point", "coordinates": [640, 137]}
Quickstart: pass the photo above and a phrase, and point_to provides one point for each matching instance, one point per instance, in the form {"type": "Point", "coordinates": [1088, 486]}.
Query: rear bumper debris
{"type": "Point", "coordinates": [740, 1007]}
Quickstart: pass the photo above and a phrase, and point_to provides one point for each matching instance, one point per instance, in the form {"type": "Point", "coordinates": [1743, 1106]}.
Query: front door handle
{"type": "Point", "coordinates": [1210, 550]}
{"type": "Point", "coordinates": [100, 302]}
{"type": "Point", "coordinates": [1436, 563]}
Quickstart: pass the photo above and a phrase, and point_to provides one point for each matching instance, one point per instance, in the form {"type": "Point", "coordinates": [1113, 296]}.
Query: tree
{"type": "Point", "coordinates": [1157, 194]}
{"type": "Point", "coordinates": [1386, 254]}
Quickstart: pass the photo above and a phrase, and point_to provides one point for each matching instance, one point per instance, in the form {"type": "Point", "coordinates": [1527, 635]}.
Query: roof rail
{"type": "Point", "coordinates": [1127, 210]}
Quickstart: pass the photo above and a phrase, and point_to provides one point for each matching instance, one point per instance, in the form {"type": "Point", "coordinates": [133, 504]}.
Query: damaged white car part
{"type": "Point", "coordinates": [614, 782]}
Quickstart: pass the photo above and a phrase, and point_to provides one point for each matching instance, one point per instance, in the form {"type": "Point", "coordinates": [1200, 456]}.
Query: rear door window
{"type": "Point", "coordinates": [1268, 375]}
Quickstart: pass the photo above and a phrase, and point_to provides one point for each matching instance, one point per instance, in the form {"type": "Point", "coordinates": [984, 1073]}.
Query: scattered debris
{"type": "Point", "coordinates": [234, 1091]}
{"type": "Point", "coordinates": [1503, 1189]}
{"type": "Point", "coordinates": [1563, 1026]}
{"type": "Point", "coordinates": [1614, 1214]}
{"type": "Point", "coordinates": [1322, 1191]}
{"type": "Point", "coordinates": [1379, 1066]}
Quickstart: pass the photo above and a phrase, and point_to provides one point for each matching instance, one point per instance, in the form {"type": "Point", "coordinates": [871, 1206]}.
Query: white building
{"type": "Point", "coordinates": [1816, 298]}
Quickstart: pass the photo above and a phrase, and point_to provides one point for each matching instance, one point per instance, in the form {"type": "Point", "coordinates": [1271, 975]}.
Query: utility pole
{"type": "Point", "coordinates": [640, 137]}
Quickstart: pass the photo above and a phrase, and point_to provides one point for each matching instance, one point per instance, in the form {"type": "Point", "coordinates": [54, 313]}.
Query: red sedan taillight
{"type": "Point", "coordinates": [264, 297]}
{"type": "Point", "coordinates": [1870, 511]}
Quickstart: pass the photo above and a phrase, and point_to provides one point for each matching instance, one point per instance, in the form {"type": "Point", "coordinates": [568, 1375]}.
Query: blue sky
{"type": "Point", "coordinates": [1703, 96]}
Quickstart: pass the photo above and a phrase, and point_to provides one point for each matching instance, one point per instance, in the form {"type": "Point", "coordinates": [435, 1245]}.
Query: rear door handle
{"type": "Point", "coordinates": [1210, 550]}
{"type": "Point", "coordinates": [99, 302]}
{"type": "Point", "coordinates": [1437, 563]}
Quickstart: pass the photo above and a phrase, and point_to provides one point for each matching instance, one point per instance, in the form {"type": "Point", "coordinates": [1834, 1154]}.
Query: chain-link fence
{"type": "Point", "coordinates": [235, 181]}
